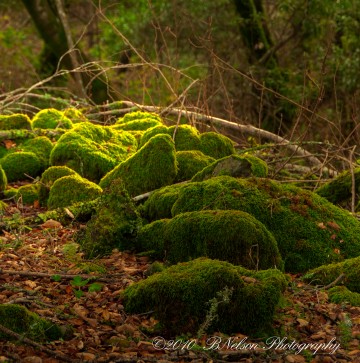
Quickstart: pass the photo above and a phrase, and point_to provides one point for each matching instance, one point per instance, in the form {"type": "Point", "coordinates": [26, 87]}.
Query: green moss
{"type": "Point", "coordinates": [10, 193]}
{"type": "Point", "coordinates": [3, 206]}
{"type": "Point", "coordinates": [340, 295]}
{"type": "Point", "coordinates": [28, 194]}
{"type": "Point", "coordinates": [72, 189]}
{"type": "Point", "coordinates": [48, 178]}
{"type": "Point", "coordinates": [216, 145]}
{"type": "Point", "coordinates": [51, 118]}
{"type": "Point", "coordinates": [93, 150]}
{"type": "Point", "coordinates": [28, 324]}
{"type": "Point", "coordinates": [191, 162]}
{"type": "Point", "coordinates": [75, 115]}
{"type": "Point", "coordinates": [326, 274]}
{"type": "Point", "coordinates": [309, 230]}
{"type": "Point", "coordinates": [41, 146]}
{"type": "Point", "coordinates": [179, 297]}
{"type": "Point", "coordinates": [19, 164]}
{"type": "Point", "coordinates": [3, 179]}
{"type": "Point", "coordinates": [186, 137]}
{"type": "Point", "coordinates": [237, 166]}
{"type": "Point", "coordinates": [16, 121]}
{"type": "Point", "coordinates": [137, 116]}
{"type": "Point", "coordinates": [138, 121]}
{"type": "Point", "coordinates": [151, 167]}
{"type": "Point", "coordinates": [114, 225]}
{"type": "Point", "coordinates": [227, 235]}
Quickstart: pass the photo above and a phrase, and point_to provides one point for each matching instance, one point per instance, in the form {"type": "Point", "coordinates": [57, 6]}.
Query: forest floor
{"type": "Point", "coordinates": [36, 271]}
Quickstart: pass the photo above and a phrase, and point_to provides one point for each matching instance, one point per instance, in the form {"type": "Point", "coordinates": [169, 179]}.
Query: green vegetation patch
{"type": "Point", "coordinates": [93, 150]}
{"type": "Point", "coordinates": [19, 164]}
{"type": "Point", "coordinates": [72, 189]}
{"type": "Point", "coordinates": [309, 230]}
{"type": "Point", "coordinates": [341, 295]}
{"type": "Point", "coordinates": [28, 194]}
{"type": "Point", "coordinates": [138, 121]}
{"type": "Point", "coordinates": [227, 235]}
{"type": "Point", "coordinates": [181, 295]}
{"type": "Point", "coordinates": [151, 167]}
{"type": "Point", "coordinates": [137, 116]}
{"type": "Point", "coordinates": [17, 121]}
{"type": "Point", "coordinates": [22, 321]}
{"type": "Point", "coordinates": [115, 223]}
{"type": "Point", "coordinates": [50, 118]}
{"type": "Point", "coordinates": [326, 274]}
{"type": "Point", "coordinates": [216, 145]}
{"type": "Point", "coordinates": [239, 166]}
{"type": "Point", "coordinates": [191, 162]}
{"type": "Point", "coordinates": [41, 146]}
{"type": "Point", "coordinates": [3, 179]}
{"type": "Point", "coordinates": [74, 115]}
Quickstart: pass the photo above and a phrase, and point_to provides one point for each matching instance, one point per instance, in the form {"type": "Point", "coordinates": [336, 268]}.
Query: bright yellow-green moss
{"type": "Point", "coordinates": [227, 235]}
{"type": "Point", "coordinates": [28, 324]}
{"type": "Point", "coordinates": [114, 225]}
{"type": "Point", "coordinates": [151, 167]}
{"type": "Point", "coordinates": [341, 295]}
{"type": "Point", "coordinates": [72, 189]}
{"type": "Point", "coordinates": [19, 164]}
{"type": "Point", "coordinates": [15, 121]}
{"type": "Point", "coordinates": [326, 274]}
{"type": "Point", "coordinates": [138, 121]}
{"type": "Point", "coordinates": [41, 146]}
{"type": "Point", "coordinates": [28, 194]}
{"type": "Point", "coordinates": [48, 178]}
{"type": "Point", "coordinates": [75, 115]}
{"type": "Point", "coordinates": [138, 115]}
{"type": "Point", "coordinates": [51, 118]}
{"type": "Point", "coordinates": [180, 296]}
{"type": "Point", "coordinates": [93, 150]}
{"type": "Point", "coordinates": [3, 179]}
{"type": "Point", "coordinates": [216, 145]}
{"type": "Point", "coordinates": [190, 163]}
{"type": "Point", "coordinates": [186, 137]}
{"type": "Point", "coordinates": [309, 230]}
{"type": "Point", "coordinates": [237, 166]}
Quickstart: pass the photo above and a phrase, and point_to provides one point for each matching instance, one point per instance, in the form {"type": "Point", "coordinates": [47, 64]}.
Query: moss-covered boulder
{"type": "Point", "coordinates": [309, 230]}
{"type": "Point", "coordinates": [28, 194]}
{"type": "Point", "coordinates": [216, 145]}
{"type": "Point", "coordinates": [93, 150]}
{"type": "Point", "coordinates": [227, 235]}
{"type": "Point", "coordinates": [74, 115]}
{"type": "Point", "coordinates": [3, 179]}
{"type": "Point", "coordinates": [18, 165]}
{"type": "Point", "coordinates": [41, 146]}
{"type": "Point", "coordinates": [51, 118]}
{"type": "Point", "coordinates": [28, 324]}
{"type": "Point", "coordinates": [342, 295]}
{"type": "Point", "coordinates": [326, 274]}
{"type": "Point", "coordinates": [191, 162]}
{"type": "Point", "coordinates": [16, 121]}
{"type": "Point", "coordinates": [151, 167]}
{"type": "Point", "coordinates": [72, 189]}
{"type": "Point", "coordinates": [114, 225]}
{"type": "Point", "coordinates": [48, 178]}
{"type": "Point", "coordinates": [239, 166]}
{"type": "Point", "coordinates": [180, 297]}
{"type": "Point", "coordinates": [338, 190]}
{"type": "Point", "coordinates": [140, 121]}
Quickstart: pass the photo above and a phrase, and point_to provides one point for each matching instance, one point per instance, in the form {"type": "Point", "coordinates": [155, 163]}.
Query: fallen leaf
{"type": "Point", "coordinates": [334, 225]}
{"type": "Point", "coordinates": [321, 225]}
{"type": "Point", "coordinates": [337, 251]}
{"type": "Point", "coordinates": [302, 322]}
{"type": "Point", "coordinates": [30, 283]}
{"type": "Point", "coordinates": [51, 224]}
{"type": "Point", "coordinates": [9, 144]}
{"type": "Point", "coordinates": [86, 356]}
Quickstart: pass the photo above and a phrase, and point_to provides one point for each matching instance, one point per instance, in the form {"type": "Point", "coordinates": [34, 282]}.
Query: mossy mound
{"type": "Point", "coordinates": [19, 164]}
{"type": "Point", "coordinates": [138, 121]}
{"type": "Point", "coordinates": [326, 274]}
{"type": "Point", "coordinates": [48, 178]}
{"type": "Point", "coordinates": [138, 115]}
{"type": "Point", "coordinates": [227, 235]}
{"type": "Point", "coordinates": [191, 162]}
{"type": "Point", "coordinates": [41, 146]}
{"type": "Point", "coordinates": [28, 194]}
{"type": "Point", "coordinates": [93, 150]}
{"type": "Point", "coordinates": [51, 118]}
{"type": "Point", "coordinates": [16, 121]}
{"type": "Point", "coordinates": [216, 145]}
{"type": "Point", "coordinates": [180, 297]}
{"type": "Point", "coordinates": [309, 230]}
{"type": "Point", "coordinates": [72, 189]}
{"type": "Point", "coordinates": [74, 115]}
{"type": "Point", "coordinates": [238, 166]}
{"type": "Point", "coordinates": [338, 190]}
{"type": "Point", "coordinates": [151, 167]}
{"type": "Point", "coordinates": [3, 179]}
{"type": "Point", "coordinates": [22, 321]}
{"type": "Point", "coordinates": [342, 295]}
{"type": "Point", "coordinates": [114, 225]}
{"type": "Point", "coordinates": [186, 137]}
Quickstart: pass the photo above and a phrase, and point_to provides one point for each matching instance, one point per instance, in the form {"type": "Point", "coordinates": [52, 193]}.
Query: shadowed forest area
{"type": "Point", "coordinates": [179, 181]}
